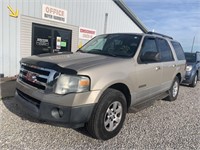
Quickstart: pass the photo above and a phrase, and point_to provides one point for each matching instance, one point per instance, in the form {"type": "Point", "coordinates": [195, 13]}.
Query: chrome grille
{"type": "Point", "coordinates": [37, 77]}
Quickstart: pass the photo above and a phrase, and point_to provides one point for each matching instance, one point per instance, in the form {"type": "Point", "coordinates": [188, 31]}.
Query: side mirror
{"type": "Point", "coordinates": [150, 57]}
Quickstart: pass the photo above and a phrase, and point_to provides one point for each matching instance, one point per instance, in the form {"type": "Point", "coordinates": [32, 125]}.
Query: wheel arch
{"type": "Point", "coordinates": [179, 77]}
{"type": "Point", "coordinates": [125, 90]}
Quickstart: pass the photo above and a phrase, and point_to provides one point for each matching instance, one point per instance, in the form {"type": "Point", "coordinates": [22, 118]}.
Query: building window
{"type": "Point", "coordinates": [47, 39]}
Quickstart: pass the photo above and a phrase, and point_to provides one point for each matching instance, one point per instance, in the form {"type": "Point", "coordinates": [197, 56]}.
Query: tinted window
{"type": "Point", "coordinates": [148, 50]}
{"type": "Point", "coordinates": [149, 45]}
{"type": "Point", "coordinates": [41, 40]}
{"type": "Point", "coordinates": [179, 50]}
{"type": "Point", "coordinates": [47, 39]}
{"type": "Point", "coordinates": [165, 50]}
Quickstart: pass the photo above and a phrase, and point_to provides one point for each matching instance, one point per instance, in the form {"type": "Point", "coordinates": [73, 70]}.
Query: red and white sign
{"type": "Point", "coordinates": [86, 34]}
{"type": "Point", "coordinates": [54, 14]}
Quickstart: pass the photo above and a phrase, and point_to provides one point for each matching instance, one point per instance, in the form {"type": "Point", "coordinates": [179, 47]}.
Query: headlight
{"type": "Point", "coordinates": [188, 68]}
{"type": "Point", "coordinates": [70, 84]}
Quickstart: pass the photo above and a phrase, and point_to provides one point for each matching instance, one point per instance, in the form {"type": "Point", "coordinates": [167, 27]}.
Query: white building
{"type": "Point", "coordinates": [31, 27]}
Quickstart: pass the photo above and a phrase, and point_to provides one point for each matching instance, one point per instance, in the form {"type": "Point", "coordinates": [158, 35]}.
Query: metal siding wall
{"type": "Point", "coordinates": [38, 9]}
{"type": "Point", "coordinates": [26, 7]}
{"type": "Point", "coordinates": [31, 8]}
{"type": "Point", "coordinates": [91, 14]}
{"type": "Point", "coordinates": [12, 41]}
{"type": "Point", "coordinates": [19, 6]}
{"type": "Point", "coordinates": [74, 15]}
{"type": "Point", "coordinates": [118, 21]}
{"type": "Point", "coordinates": [6, 36]}
{"type": "Point", "coordinates": [26, 33]}
{"type": "Point", "coordinates": [15, 40]}
{"type": "Point", "coordinates": [1, 37]}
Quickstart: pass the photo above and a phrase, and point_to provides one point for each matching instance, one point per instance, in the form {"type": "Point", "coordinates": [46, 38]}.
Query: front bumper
{"type": "Point", "coordinates": [74, 116]}
{"type": "Point", "coordinates": [189, 76]}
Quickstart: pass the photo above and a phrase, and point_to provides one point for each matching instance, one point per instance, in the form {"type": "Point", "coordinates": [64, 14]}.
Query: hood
{"type": "Point", "coordinates": [73, 61]}
{"type": "Point", "coordinates": [191, 63]}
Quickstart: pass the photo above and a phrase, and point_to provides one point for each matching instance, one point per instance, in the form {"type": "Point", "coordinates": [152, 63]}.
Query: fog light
{"type": "Point", "coordinates": [57, 113]}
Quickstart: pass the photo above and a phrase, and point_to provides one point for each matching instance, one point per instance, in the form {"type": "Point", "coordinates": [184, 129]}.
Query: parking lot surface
{"type": "Point", "coordinates": [164, 125]}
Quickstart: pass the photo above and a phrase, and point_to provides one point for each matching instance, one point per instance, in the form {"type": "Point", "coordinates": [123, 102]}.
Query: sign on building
{"type": "Point", "coordinates": [86, 34]}
{"type": "Point", "coordinates": [54, 14]}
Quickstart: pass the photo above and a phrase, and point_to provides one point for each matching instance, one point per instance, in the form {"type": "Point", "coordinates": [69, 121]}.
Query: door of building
{"type": "Point", "coordinates": [47, 39]}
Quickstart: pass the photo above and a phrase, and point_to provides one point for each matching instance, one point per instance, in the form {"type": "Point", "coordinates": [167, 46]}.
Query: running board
{"type": "Point", "coordinates": [144, 104]}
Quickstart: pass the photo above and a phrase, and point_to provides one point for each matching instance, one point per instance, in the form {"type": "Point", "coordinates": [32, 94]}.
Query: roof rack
{"type": "Point", "coordinates": [150, 32]}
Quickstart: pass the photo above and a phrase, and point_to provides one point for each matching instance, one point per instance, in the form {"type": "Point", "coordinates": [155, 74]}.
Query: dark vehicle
{"type": "Point", "coordinates": [193, 69]}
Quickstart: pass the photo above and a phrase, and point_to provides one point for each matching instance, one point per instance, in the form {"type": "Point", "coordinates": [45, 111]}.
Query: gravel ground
{"type": "Point", "coordinates": [165, 125]}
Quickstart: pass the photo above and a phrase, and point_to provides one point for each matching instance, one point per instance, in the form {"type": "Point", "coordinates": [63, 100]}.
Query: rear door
{"type": "Point", "coordinates": [149, 74]}
{"type": "Point", "coordinates": [169, 64]}
{"type": "Point", "coordinates": [180, 58]}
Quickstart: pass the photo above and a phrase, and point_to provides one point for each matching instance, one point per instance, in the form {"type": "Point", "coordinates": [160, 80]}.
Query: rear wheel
{"type": "Point", "coordinates": [173, 91]}
{"type": "Point", "coordinates": [108, 116]}
{"type": "Point", "coordinates": [194, 81]}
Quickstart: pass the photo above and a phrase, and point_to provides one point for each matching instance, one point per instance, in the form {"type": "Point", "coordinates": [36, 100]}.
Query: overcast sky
{"type": "Point", "coordinates": [177, 18]}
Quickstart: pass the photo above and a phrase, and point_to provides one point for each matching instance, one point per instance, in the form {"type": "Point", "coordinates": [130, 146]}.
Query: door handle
{"type": "Point", "coordinates": [157, 68]}
{"type": "Point", "coordinates": [173, 65]}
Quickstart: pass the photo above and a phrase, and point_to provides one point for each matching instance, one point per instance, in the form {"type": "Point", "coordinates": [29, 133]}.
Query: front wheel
{"type": "Point", "coordinates": [173, 91]}
{"type": "Point", "coordinates": [108, 115]}
{"type": "Point", "coordinates": [194, 81]}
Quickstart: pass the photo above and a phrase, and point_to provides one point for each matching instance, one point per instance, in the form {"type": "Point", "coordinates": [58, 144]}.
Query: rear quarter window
{"type": "Point", "coordinates": [178, 50]}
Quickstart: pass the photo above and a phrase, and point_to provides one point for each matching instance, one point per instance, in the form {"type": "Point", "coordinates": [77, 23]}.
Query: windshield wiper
{"type": "Point", "coordinates": [79, 50]}
{"type": "Point", "coordinates": [109, 54]}
{"type": "Point", "coordinates": [100, 52]}
{"type": "Point", "coordinates": [96, 51]}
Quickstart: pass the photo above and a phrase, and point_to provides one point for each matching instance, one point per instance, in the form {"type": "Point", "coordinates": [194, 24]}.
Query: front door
{"type": "Point", "coordinates": [149, 74]}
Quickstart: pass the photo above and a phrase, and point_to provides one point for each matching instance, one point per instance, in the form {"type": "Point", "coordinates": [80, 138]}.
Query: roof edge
{"type": "Point", "coordinates": [131, 15]}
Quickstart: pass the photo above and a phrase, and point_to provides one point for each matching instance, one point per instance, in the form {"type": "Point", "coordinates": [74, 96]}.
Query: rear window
{"type": "Point", "coordinates": [179, 50]}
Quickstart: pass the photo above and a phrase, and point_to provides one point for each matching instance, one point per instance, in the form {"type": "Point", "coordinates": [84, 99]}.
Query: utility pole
{"type": "Point", "coordinates": [193, 44]}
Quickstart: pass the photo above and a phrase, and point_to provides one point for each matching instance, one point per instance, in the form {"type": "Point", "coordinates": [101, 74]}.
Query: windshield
{"type": "Point", "coordinates": [116, 45]}
{"type": "Point", "coordinates": [190, 57]}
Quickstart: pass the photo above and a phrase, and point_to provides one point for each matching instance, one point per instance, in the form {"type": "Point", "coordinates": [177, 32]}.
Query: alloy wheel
{"type": "Point", "coordinates": [175, 89]}
{"type": "Point", "coordinates": [113, 116]}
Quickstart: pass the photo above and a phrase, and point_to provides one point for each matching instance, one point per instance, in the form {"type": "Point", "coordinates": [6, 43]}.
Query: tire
{"type": "Point", "coordinates": [108, 116]}
{"type": "Point", "coordinates": [194, 81]}
{"type": "Point", "coordinates": [174, 90]}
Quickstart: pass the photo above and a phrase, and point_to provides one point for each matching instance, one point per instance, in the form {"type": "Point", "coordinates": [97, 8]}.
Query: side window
{"type": "Point", "coordinates": [165, 50]}
{"type": "Point", "coordinates": [149, 45]}
{"type": "Point", "coordinates": [149, 52]}
{"type": "Point", "coordinates": [178, 50]}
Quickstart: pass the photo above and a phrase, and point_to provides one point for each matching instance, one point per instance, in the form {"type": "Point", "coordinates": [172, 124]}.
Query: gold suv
{"type": "Point", "coordinates": [97, 85]}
